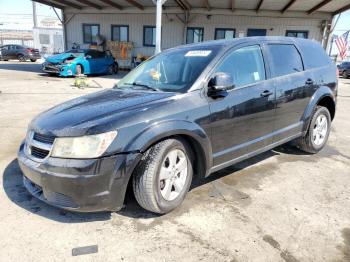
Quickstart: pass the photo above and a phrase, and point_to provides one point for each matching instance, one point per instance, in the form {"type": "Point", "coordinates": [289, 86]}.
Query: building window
{"type": "Point", "coordinates": [90, 33]}
{"type": "Point", "coordinates": [120, 33]}
{"type": "Point", "coordinates": [44, 39]}
{"type": "Point", "coordinates": [298, 34]}
{"type": "Point", "coordinates": [256, 32]}
{"type": "Point", "coordinates": [224, 33]}
{"type": "Point", "coordinates": [149, 36]}
{"type": "Point", "coordinates": [194, 35]}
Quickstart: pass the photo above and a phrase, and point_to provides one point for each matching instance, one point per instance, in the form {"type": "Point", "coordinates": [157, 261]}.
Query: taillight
{"type": "Point", "coordinates": [337, 73]}
{"type": "Point", "coordinates": [30, 49]}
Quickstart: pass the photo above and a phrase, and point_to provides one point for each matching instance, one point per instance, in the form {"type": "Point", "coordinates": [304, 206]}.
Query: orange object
{"type": "Point", "coordinates": [123, 52]}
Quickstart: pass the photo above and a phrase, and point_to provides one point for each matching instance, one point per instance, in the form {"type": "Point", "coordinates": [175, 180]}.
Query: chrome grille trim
{"type": "Point", "coordinates": [32, 144]}
{"type": "Point", "coordinates": [40, 145]}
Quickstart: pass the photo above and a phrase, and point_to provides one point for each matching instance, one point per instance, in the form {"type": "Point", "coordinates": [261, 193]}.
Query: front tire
{"type": "Point", "coordinates": [21, 58]}
{"type": "Point", "coordinates": [163, 176]}
{"type": "Point", "coordinates": [318, 131]}
{"type": "Point", "coordinates": [33, 60]}
{"type": "Point", "coordinates": [79, 70]}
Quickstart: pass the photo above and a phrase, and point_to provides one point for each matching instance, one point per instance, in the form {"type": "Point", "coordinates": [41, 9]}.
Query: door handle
{"type": "Point", "coordinates": [309, 82]}
{"type": "Point", "coordinates": [266, 93]}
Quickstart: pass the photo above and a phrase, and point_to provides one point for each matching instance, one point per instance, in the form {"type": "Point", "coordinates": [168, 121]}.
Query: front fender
{"type": "Point", "coordinates": [320, 93]}
{"type": "Point", "coordinates": [161, 130]}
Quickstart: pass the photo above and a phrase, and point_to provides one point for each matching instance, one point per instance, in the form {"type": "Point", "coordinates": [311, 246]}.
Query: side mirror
{"type": "Point", "coordinates": [219, 84]}
{"type": "Point", "coordinates": [88, 56]}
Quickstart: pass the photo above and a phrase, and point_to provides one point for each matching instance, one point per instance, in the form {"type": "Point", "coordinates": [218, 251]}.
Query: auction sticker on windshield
{"type": "Point", "coordinates": [198, 53]}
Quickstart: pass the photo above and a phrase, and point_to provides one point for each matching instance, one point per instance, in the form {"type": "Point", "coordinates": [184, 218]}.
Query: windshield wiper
{"type": "Point", "coordinates": [142, 85]}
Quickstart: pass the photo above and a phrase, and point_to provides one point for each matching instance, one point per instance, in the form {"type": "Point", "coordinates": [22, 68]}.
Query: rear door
{"type": "Point", "coordinates": [11, 53]}
{"type": "Point", "coordinates": [242, 122]}
{"type": "Point", "coordinates": [292, 84]}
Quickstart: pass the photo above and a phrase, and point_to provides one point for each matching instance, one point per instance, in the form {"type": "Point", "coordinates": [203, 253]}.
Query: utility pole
{"type": "Point", "coordinates": [35, 22]}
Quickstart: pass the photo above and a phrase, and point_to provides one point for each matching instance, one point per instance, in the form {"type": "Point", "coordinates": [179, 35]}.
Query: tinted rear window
{"type": "Point", "coordinates": [285, 59]}
{"type": "Point", "coordinates": [313, 55]}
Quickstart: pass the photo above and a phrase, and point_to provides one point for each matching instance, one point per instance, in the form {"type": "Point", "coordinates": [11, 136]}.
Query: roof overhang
{"type": "Point", "coordinates": [309, 7]}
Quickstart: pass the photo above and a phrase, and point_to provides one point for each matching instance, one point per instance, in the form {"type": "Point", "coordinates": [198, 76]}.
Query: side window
{"type": "Point", "coordinates": [93, 53]}
{"type": "Point", "coordinates": [314, 55]}
{"type": "Point", "coordinates": [285, 59]}
{"type": "Point", "coordinates": [245, 65]}
{"type": "Point", "coordinates": [100, 54]}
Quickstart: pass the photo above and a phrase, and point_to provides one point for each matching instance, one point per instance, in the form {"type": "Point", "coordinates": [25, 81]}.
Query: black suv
{"type": "Point", "coordinates": [184, 113]}
{"type": "Point", "coordinates": [20, 52]}
{"type": "Point", "coordinates": [344, 69]}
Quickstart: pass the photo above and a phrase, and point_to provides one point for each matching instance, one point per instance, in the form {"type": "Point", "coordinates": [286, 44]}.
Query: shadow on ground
{"type": "Point", "coordinates": [21, 66]}
{"type": "Point", "coordinates": [14, 189]}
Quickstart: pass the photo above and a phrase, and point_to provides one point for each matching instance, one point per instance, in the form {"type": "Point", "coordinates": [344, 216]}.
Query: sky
{"type": "Point", "coordinates": [16, 14]}
{"type": "Point", "coordinates": [10, 9]}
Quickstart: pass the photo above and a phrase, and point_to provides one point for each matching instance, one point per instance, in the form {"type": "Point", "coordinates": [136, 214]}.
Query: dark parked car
{"type": "Point", "coordinates": [20, 52]}
{"type": "Point", "coordinates": [344, 69]}
{"type": "Point", "coordinates": [184, 113]}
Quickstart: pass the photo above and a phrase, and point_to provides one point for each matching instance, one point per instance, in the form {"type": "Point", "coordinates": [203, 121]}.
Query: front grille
{"type": "Point", "coordinates": [59, 199]}
{"type": "Point", "coordinates": [43, 138]}
{"type": "Point", "coordinates": [38, 146]}
{"type": "Point", "coordinates": [38, 152]}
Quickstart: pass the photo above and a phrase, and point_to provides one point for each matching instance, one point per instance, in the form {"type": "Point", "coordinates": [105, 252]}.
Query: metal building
{"type": "Point", "coordinates": [187, 21]}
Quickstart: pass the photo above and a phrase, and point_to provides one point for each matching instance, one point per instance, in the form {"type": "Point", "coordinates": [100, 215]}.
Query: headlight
{"type": "Point", "coordinates": [82, 147]}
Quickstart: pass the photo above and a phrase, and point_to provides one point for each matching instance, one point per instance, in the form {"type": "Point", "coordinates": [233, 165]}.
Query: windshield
{"type": "Point", "coordinates": [170, 71]}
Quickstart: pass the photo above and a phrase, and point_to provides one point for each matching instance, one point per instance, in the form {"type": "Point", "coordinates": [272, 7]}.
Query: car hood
{"type": "Point", "coordinates": [93, 113]}
{"type": "Point", "coordinates": [59, 58]}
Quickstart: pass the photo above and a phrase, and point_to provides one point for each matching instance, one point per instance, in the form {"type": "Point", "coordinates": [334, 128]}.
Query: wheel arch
{"type": "Point", "coordinates": [82, 67]}
{"type": "Point", "coordinates": [322, 97]}
{"type": "Point", "coordinates": [190, 132]}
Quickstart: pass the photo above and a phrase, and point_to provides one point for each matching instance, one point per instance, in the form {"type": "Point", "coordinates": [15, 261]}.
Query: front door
{"type": "Point", "coordinates": [97, 62]}
{"type": "Point", "coordinates": [242, 122]}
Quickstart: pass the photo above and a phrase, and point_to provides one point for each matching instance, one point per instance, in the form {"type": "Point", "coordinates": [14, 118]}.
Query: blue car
{"type": "Point", "coordinates": [84, 61]}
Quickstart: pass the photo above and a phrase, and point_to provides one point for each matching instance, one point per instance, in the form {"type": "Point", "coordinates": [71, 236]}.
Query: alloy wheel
{"type": "Point", "coordinates": [173, 174]}
{"type": "Point", "coordinates": [320, 129]}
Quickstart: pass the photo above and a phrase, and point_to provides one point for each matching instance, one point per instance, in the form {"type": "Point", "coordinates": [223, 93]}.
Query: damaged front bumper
{"type": "Point", "coordinates": [84, 185]}
{"type": "Point", "coordinates": [59, 69]}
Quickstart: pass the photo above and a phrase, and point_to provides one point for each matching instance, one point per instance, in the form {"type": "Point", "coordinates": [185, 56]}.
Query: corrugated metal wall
{"type": "Point", "coordinates": [173, 29]}
{"type": "Point", "coordinates": [55, 37]}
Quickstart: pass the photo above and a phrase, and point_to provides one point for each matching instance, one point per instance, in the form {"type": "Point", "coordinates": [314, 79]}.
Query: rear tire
{"type": "Point", "coordinates": [116, 68]}
{"type": "Point", "coordinates": [318, 131]}
{"type": "Point", "coordinates": [33, 60]}
{"type": "Point", "coordinates": [163, 176]}
{"type": "Point", "coordinates": [110, 70]}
